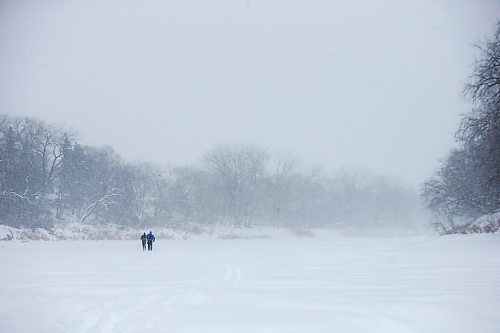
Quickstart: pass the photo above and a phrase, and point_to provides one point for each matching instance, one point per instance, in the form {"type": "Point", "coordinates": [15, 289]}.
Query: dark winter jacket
{"type": "Point", "coordinates": [143, 238]}
{"type": "Point", "coordinates": [150, 237]}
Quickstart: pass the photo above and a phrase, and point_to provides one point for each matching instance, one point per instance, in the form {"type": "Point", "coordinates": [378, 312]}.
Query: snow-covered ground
{"type": "Point", "coordinates": [317, 284]}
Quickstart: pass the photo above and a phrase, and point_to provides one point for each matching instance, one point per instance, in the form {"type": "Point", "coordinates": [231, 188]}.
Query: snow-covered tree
{"type": "Point", "coordinates": [468, 182]}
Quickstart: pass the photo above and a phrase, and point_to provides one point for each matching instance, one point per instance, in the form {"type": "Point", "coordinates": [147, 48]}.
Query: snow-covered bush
{"type": "Point", "coordinates": [489, 223]}
{"type": "Point", "coordinates": [486, 224]}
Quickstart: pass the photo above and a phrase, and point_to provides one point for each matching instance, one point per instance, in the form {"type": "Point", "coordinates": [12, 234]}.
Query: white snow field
{"type": "Point", "coordinates": [321, 284]}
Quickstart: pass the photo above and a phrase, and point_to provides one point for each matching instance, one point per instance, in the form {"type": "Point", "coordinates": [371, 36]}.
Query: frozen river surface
{"type": "Point", "coordinates": [325, 284]}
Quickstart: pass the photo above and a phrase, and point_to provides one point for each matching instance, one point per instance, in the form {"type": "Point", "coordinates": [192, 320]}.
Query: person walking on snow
{"type": "Point", "coordinates": [150, 238]}
{"type": "Point", "coordinates": [143, 240]}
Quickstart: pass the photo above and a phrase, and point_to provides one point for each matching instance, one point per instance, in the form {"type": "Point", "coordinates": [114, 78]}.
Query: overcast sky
{"type": "Point", "coordinates": [375, 84]}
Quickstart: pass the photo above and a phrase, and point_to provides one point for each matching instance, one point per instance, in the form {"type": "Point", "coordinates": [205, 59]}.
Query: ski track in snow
{"type": "Point", "coordinates": [325, 284]}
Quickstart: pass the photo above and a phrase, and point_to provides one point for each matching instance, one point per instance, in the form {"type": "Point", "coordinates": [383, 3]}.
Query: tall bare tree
{"type": "Point", "coordinates": [237, 170]}
{"type": "Point", "coordinates": [468, 183]}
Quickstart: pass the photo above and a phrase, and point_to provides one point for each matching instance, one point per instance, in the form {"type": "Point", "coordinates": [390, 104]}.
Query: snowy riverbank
{"type": "Point", "coordinates": [78, 231]}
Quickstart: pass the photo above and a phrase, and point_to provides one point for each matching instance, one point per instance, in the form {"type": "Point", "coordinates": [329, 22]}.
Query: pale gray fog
{"type": "Point", "coordinates": [190, 115]}
{"type": "Point", "coordinates": [341, 84]}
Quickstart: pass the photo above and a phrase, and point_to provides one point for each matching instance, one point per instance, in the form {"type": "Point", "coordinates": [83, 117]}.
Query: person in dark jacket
{"type": "Point", "coordinates": [150, 238]}
{"type": "Point", "coordinates": [143, 240]}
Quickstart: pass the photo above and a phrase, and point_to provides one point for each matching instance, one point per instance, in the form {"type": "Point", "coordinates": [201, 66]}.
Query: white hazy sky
{"type": "Point", "coordinates": [376, 84]}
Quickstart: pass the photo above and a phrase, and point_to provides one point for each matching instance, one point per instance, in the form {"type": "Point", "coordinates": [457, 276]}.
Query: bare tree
{"type": "Point", "coordinates": [468, 183]}
{"type": "Point", "coordinates": [237, 169]}
{"type": "Point", "coordinates": [282, 171]}
{"type": "Point", "coordinates": [103, 203]}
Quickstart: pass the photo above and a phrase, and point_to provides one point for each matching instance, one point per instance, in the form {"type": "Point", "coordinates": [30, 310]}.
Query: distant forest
{"type": "Point", "coordinates": [47, 177]}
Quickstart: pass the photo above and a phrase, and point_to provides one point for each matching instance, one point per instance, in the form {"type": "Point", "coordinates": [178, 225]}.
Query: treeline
{"type": "Point", "coordinates": [46, 176]}
{"type": "Point", "coordinates": [468, 182]}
